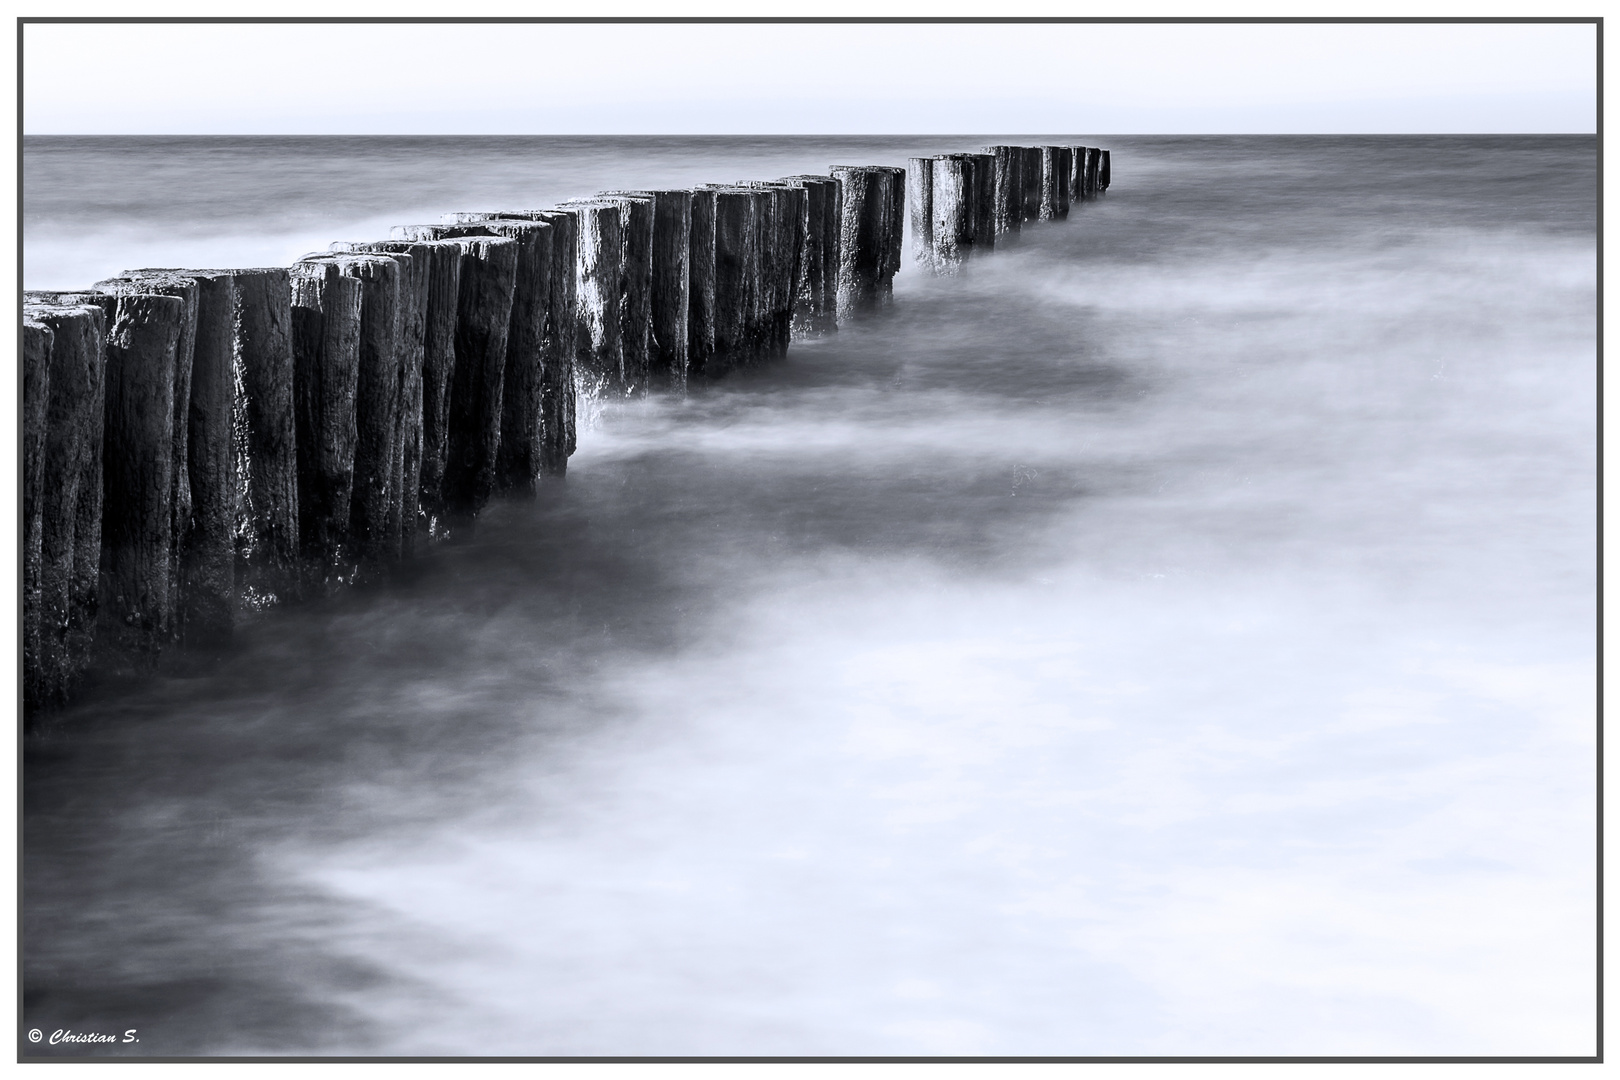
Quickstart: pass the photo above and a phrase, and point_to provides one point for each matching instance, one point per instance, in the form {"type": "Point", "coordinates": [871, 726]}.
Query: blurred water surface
{"type": "Point", "coordinates": [1175, 635]}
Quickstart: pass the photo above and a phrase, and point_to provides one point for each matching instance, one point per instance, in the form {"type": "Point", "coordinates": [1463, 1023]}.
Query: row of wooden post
{"type": "Point", "coordinates": [202, 444]}
{"type": "Point", "coordinates": [960, 203]}
{"type": "Point", "coordinates": [199, 445]}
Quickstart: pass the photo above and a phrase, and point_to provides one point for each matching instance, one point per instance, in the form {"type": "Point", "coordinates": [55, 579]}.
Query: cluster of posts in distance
{"type": "Point", "coordinates": [960, 203]}
{"type": "Point", "coordinates": [199, 445]}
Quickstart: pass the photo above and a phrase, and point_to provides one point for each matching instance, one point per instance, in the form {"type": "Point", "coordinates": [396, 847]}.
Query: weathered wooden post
{"type": "Point", "coordinates": [438, 369]}
{"type": "Point", "coordinates": [1082, 165]}
{"type": "Point", "coordinates": [670, 294]}
{"type": "Point", "coordinates": [521, 438]}
{"type": "Point", "coordinates": [759, 285]}
{"type": "Point", "coordinates": [326, 371]}
{"type": "Point", "coordinates": [1006, 195]}
{"type": "Point", "coordinates": [920, 193]}
{"type": "Point", "coordinates": [70, 496]}
{"type": "Point", "coordinates": [737, 213]}
{"type": "Point", "coordinates": [1032, 182]}
{"type": "Point", "coordinates": [484, 314]}
{"type": "Point", "coordinates": [267, 528]}
{"type": "Point", "coordinates": [208, 568]}
{"type": "Point", "coordinates": [204, 602]}
{"type": "Point", "coordinates": [1074, 173]}
{"type": "Point", "coordinates": [700, 274]}
{"type": "Point", "coordinates": [558, 406]}
{"type": "Point", "coordinates": [816, 310]}
{"type": "Point", "coordinates": [217, 467]}
{"type": "Point", "coordinates": [180, 285]}
{"type": "Point", "coordinates": [1065, 176]}
{"type": "Point", "coordinates": [795, 240]}
{"type": "Point", "coordinates": [951, 200]}
{"type": "Point", "coordinates": [518, 461]}
{"type": "Point", "coordinates": [781, 254]}
{"type": "Point", "coordinates": [1104, 161]}
{"type": "Point", "coordinates": [772, 211]}
{"type": "Point", "coordinates": [37, 338]}
{"type": "Point", "coordinates": [894, 228]}
{"type": "Point", "coordinates": [416, 269]}
{"type": "Point", "coordinates": [599, 337]}
{"type": "Point", "coordinates": [1054, 206]}
{"type": "Point", "coordinates": [984, 208]}
{"type": "Point", "coordinates": [374, 503]}
{"type": "Point", "coordinates": [636, 215]}
{"type": "Point", "coordinates": [863, 238]}
{"type": "Point", "coordinates": [137, 512]}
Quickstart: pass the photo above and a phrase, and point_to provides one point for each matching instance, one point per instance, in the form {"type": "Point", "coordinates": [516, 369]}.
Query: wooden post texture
{"type": "Point", "coordinates": [326, 371]}
{"type": "Point", "coordinates": [137, 512]}
{"type": "Point", "coordinates": [700, 275]}
{"type": "Point", "coordinates": [267, 528]}
{"type": "Point", "coordinates": [863, 239]}
{"type": "Point", "coordinates": [71, 495]}
{"type": "Point", "coordinates": [670, 295]}
{"type": "Point", "coordinates": [920, 192]}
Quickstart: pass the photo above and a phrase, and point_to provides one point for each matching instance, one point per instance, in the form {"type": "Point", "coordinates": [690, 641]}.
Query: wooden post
{"type": "Point", "coordinates": [374, 503]}
{"type": "Point", "coordinates": [267, 529]}
{"type": "Point", "coordinates": [951, 201]}
{"type": "Point", "coordinates": [920, 188]}
{"type": "Point", "coordinates": [519, 455]}
{"type": "Point", "coordinates": [796, 241]}
{"type": "Point", "coordinates": [736, 276]}
{"type": "Point", "coordinates": [1104, 161]}
{"type": "Point", "coordinates": [635, 287]}
{"type": "Point", "coordinates": [599, 359]}
{"type": "Point", "coordinates": [1006, 196]}
{"type": "Point", "coordinates": [137, 513]}
{"type": "Point", "coordinates": [416, 277]}
{"type": "Point", "coordinates": [816, 311]}
{"type": "Point", "coordinates": [205, 592]}
{"type": "Point", "coordinates": [37, 338]}
{"type": "Point", "coordinates": [558, 407]}
{"type": "Point", "coordinates": [182, 286]}
{"type": "Point", "coordinates": [522, 435]}
{"type": "Point", "coordinates": [438, 370]}
{"type": "Point", "coordinates": [670, 295]}
{"type": "Point", "coordinates": [984, 202]}
{"type": "Point", "coordinates": [1075, 174]}
{"type": "Point", "coordinates": [1053, 206]}
{"type": "Point", "coordinates": [764, 261]}
{"type": "Point", "coordinates": [1032, 183]}
{"type": "Point", "coordinates": [863, 238]}
{"type": "Point", "coordinates": [700, 272]}
{"type": "Point", "coordinates": [557, 391]}
{"type": "Point", "coordinates": [779, 261]}
{"type": "Point", "coordinates": [484, 313]}
{"type": "Point", "coordinates": [835, 251]}
{"type": "Point", "coordinates": [326, 371]}
{"type": "Point", "coordinates": [894, 228]}
{"type": "Point", "coordinates": [208, 569]}
{"type": "Point", "coordinates": [71, 489]}
{"type": "Point", "coordinates": [70, 495]}
{"type": "Point", "coordinates": [205, 604]}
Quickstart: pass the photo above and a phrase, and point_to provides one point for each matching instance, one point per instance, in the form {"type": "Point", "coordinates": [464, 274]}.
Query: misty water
{"type": "Point", "coordinates": [1174, 635]}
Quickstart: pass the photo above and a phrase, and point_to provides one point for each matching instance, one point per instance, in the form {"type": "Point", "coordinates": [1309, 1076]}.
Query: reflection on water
{"type": "Point", "coordinates": [1174, 636]}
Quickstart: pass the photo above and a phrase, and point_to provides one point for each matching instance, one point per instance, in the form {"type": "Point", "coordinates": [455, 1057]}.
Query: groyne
{"type": "Point", "coordinates": [201, 445]}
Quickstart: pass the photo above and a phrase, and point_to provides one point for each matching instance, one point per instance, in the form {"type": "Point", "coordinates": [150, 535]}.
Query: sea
{"type": "Point", "coordinates": [1175, 634]}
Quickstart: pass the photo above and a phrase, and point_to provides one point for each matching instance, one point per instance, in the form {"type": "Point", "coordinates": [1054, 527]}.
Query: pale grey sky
{"type": "Point", "coordinates": [803, 79]}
